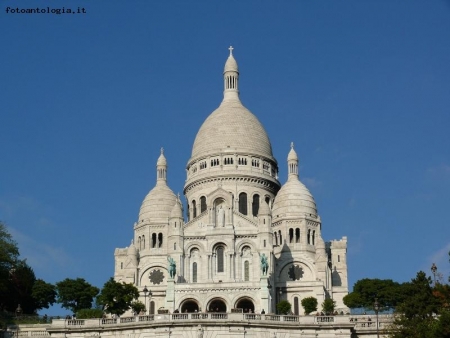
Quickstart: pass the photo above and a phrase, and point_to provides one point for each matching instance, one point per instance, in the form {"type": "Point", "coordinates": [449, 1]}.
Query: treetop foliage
{"type": "Point", "coordinates": [116, 298]}
{"type": "Point", "coordinates": [388, 293]}
{"type": "Point", "coordinates": [76, 294]}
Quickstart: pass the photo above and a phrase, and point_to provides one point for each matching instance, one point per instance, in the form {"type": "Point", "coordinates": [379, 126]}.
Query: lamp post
{"type": "Point", "coordinates": [433, 270]}
{"type": "Point", "coordinates": [145, 291]}
{"type": "Point", "coordinates": [376, 307]}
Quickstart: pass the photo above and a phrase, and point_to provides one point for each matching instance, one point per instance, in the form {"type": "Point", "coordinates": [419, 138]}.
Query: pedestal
{"type": "Point", "coordinates": [264, 294]}
{"type": "Point", "coordinates": [170, 295]}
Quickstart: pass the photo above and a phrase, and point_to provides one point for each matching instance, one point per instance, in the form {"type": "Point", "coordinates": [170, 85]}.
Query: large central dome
{"type": "Point", "coordinates": [231, 127]}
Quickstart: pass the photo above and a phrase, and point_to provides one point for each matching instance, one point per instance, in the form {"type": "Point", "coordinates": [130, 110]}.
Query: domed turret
{"type": "Point", "coordinates": [132, 253]}
{"type": "Point", "coordinates": [159, 202]}
{"type": "Point", "coordinates": [177, 210]}
{"type": "Point", "coordinates": [293, 199]}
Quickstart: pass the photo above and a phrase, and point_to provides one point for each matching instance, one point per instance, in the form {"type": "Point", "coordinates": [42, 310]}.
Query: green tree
{"type": "Point", "coordinates": [328, 306]}
{"type": "Point", "coordinates": [388, 292]}
{"type": "Point", "coordinates": [44, 294]}
{"type": "Point", "coordinates": [284, 307]}
{"type": "Point", "coordinates": [20, 288]}
{"type": "Point", "coordinates": [116, 298]}
{"type": "Point", "coordinates": [415, 315]}
{"type": "Point", "coordinates": [76, 294]}
{"type": "Point", "coordinates": [309, 304]}
{"type": "Point", "coordinates": [138, 307]}
{"type": "Point", "coordinates": [9, 256]}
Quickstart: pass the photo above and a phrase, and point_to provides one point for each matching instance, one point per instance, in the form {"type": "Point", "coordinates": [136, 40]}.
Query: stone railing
{"type": "Point", "coordinates": [358, 323]}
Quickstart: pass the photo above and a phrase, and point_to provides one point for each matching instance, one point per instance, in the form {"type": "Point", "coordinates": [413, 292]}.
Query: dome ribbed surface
{"type": "Point", "coordinates": [294, 199]}
{"type": "Point", "coordinates": [231, 127]}
{"type": "Point", "coordinates": [158, 204]}
{"type": "Point", "coordinates": [264, 209]}
{"type": "Point", "coordinates": [177, 211]}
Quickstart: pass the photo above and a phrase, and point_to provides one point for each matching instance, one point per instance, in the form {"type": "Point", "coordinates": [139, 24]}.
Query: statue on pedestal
{"type": "Point", "coordinates": [172, 267]}
{"type": "Point", "coordinates": [264, 264]}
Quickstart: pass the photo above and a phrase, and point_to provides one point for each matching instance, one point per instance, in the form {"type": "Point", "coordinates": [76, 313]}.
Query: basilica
{"type": "Point", "coordinates": [244, 242]}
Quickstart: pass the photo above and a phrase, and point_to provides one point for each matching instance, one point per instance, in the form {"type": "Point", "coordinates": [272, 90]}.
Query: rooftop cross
{"type": "Point", "coordinates": [292, 145]}
{"type": "Point", "coordinates": [231, 50]}
{"type": "Point", "coordinates": [162, 150]}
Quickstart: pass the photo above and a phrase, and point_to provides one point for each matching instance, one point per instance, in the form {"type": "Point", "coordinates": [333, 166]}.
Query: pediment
{"type": "Point", "coordinates": [221, 194]}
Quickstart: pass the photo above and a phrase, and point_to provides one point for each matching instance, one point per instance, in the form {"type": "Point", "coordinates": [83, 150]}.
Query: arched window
{"type": "Point", "coordinates": [152, 307]}
{"type": "Point", "coordinates": [255, 205]}
{"type": "Point", "coordinates": [313, 237]}
{"type": "Point", "coordinates": [194, 209]}
{"type": "Point", "coordinates": [202, 203]}
{"type": "Point", "coordinates": [275, 235]}
{"type": "Point", "coordinates": [220, 259]}
{"type": "Point", "coordinates": [121, 265]}
{"type": "Point", "coordinates": [243, 203]}
{"type": "Point", "coordinates": [139, 242]}
{"type": "Point", "coordinates": [281, 238]}
{"type": "Point", "coordinates": [143, 242]}
{"type": "Point", "coordinates": [160, 240]}
{"type": "Point", "coordinates": [296, 306]}
{"type": "Point", "coordinates": [174, 245]}
{"type": "Point", "coordinates": [297, 235]}
{"type": "Point", "coordinates": [153, 240]}
{"type": "Point", "coordinates": [291, 235]}
{"type": "Point", "coordinates": [309, 236]}
{"type": "Point", "coordinates": [246, 271]}
{"type": "Point", "coordinates": [194, 272]}
{"type": "Point", "coordinates": [267, 199]}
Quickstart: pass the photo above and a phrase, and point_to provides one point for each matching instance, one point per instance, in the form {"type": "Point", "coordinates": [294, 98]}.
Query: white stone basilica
{"type": "Point", "coordinates": [248, 241]}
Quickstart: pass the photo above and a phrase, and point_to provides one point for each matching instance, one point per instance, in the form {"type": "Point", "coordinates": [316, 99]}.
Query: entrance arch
{"type": "Point", "coordinates": [217, 305]}
{"type": "Point", "coordinates": [246, 304]}
{"type": "Point", "coordinates": [189, 305]}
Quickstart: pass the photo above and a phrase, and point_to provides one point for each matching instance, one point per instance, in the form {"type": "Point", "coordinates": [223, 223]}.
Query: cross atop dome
{"type": "Point", "coordinates": [231, 50]}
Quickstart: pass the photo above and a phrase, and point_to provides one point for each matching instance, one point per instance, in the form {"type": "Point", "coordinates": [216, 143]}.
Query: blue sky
{"type": "Point", "coordinates": [361, 87]}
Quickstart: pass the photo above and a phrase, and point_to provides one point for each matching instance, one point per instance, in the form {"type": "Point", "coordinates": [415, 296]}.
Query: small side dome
{"type": "Point", "coordinates": [132, 249]}
{"type": "Point", "coordinates": [158, 204]}
{"type": "Point", "coordinates": [264, 209]}
{"type": "Point", "coordinates": [132, 253]}
{"type": "Point", "coordinates": [294, 199]}
{"type": "Point", "coordinates": [177, 210]}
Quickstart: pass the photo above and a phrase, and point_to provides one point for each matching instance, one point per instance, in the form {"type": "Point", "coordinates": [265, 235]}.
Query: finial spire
{"type": "Point", "coordinates": [231, 78]}
{"type": "Point", "coordinates": [292, 162]}
{"type": "Point", "coordinates": [161, 167]}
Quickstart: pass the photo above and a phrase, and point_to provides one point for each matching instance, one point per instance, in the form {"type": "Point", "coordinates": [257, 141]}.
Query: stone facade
{"type": "Point", "coordinates": [239, 218]}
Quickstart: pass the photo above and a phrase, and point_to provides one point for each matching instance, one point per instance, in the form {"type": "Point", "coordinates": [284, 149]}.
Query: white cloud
{"type": "Point", "coordinates": [311, 182]}
{"type": "Point", "coordinates": [441, 172]}
{"type": "Point", "coordinates": [41, 256]}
